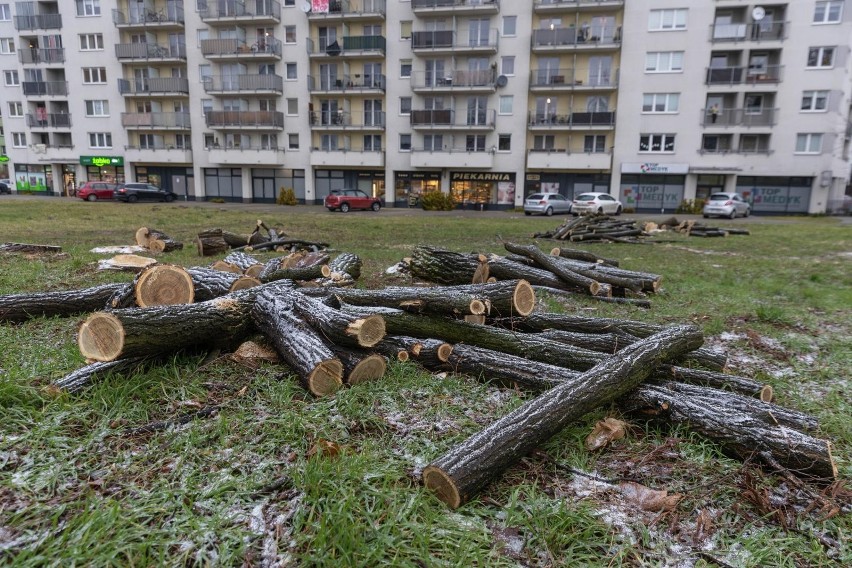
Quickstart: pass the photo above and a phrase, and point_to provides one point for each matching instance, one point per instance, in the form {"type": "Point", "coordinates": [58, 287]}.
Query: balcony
{"type": "Point", "coordinates": [52, 120]}
{"type": "Point", "coordinates": [348, 157]}
{"type": "Point", "coordinates": [244, 84]}
{"type": "Point", "coordinates": [250, 154]}
{"type": "Point", "coordinates": [430, 8]}
{"type": "Point", "coordinates": [452, 158]}
{"type": "Point", "coordinates": [140, 17]}
{"type": "Point", "coordinates": [566, 40]}
{"type": "Point", "coordinates": [449, 119]}
{"type": "Point", "coordinates": [342, 84]}
{"type": "Point", "coordinates": [267, 48]}
{"type": "Point", "coordinates": [559, 6]}
{"type": "Point", "coordinates": [434, 42]}
{"type": "Point", "coordinates": [348, 10]}
{"type": "Point", "coordinates": [327, 120]}
{"type": "Point", "coordinates": [256, 119]}
{"type": "Point", "coordinates": [150, 51]}
{"type": "Point", "coordinates": [571, 121]}
{"type": "Point", "coordinates": [154, 86]}
{"type": "Point", "coordinates": [556, 80]}
{"type": "Point", "coordinates": [749, 117]}
{"type": "Point", "coordinates": [158, 153]}
{"type": "Point", "coordinates": [769, 74]}
{"type": "Point", "coordinates": [45, 88]}
{"type": "Point", "coordinates": [38, 22]}
{"type": "Point", "coordinates": [36, 56]}
{"type": "Point", "coordinates": [156, 120]}
{"type": "Point", "coordinates": [454, 81]}
{"type": "Point", "coordinates": [756, 31]}
{"type": "Point", "coordinates": [352, 46]}
{"type": "Point", "coordinates": [558, 158]}
{"type": "Point", "coordinates": [230, 12]}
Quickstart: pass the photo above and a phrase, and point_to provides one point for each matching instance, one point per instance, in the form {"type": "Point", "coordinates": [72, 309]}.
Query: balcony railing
{"type": "Point", "coordinates": [341, 118]}
{"type": "Point", "coordinates": [52, 120]}
{"type": "Point", "coordinates": [738, 117]}
{"type": "Point", "coordinates": [346, 82]}
{"type": "Point", "coordinates": [351, 8]}
{"type": "Point", "coordinates": [577, 37]}
{"type": "Point", "coordinates": [456, 40]}
{"type": "Point", "coordinates": [247, 118]}
{"type": "Point", "coordinates": [39, 22]}
{"type": "Point", "coordinates": [33, 55]}
{"type": "Point", "coordinates": [219, 47]}
{"type": "Point", "coordinates": [48, 88]}
{"type": "Point", "coordinates": [574, 4]}
{"type": "Point", "coordinates": [744, 75]}
{"type": "Point", "coordinates": [572, 120]}
{"type": "Point", "coordinates": [153, 120]}
{"type": "Point", "coordinates": [153, 85]}
{"type": "Point", "coordinates": [348, 45]}
{"type": "Point", "coordinates": [558, 78]}
{"type": "Point", "coordinates": [461, 5]}
{"type": "Point", "coordinates": [144, 51]}
{"type": "Point", "coordinates": [171, 13]}
{"type": "Point", "coordinates": [157, 145]}
{"type": "Point", "coordinates": [240, 147]}
{"type": "Point", "coordinates": [247, 10]}
{"type": "Point", "coordinates": [244, 83]}
{"type": "Point", "coordinates": [457, 78]}
{"type": "Point", "coordinates": [756, 31]}
{"type": "Point", "coordinates": [450, 118]}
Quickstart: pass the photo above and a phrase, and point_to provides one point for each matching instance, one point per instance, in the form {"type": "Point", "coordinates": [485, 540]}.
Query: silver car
{"type": "Point", "coordinates": [728, 205]}
{"type": "Point", "coordinates": [546, 204]}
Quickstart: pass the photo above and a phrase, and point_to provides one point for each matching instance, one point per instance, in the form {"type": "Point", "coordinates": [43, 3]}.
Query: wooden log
{"type": "Point", "coordinates": [242, 261]}
{"type": "Point", "coordinates": [491, 365]}
{"type": "Point", "coordinates": [636, 282]}
{"type": "Point", "coordinates": [163, 285]}
{"type": "Point", "coordinates": [739, 433]}
{"type": "Point", "coordinates": [24, 306]}
{"type": "Point", "coordinates": [638, 302]}
{"type": "Point", "coordinates": [211, 242]}
{"type": "Point", "coordinates": [144, 235]}
{"type": "Point", "coordinates": [209, 283]}
{"type": "Point", "coordinates": [344, 329]}
{"type": "Point", "coordinates": [603, 342]}
{"type": "Point", "coordinates": [164, 245]}
{"type": "Point", "coordinates": [610, 235]}
{"type": "Point", "coordinates": [29, 248]}
{"type": "Point", "coordinates": [224, 266]}
{"type": "Point", "coordinates": [318, 369]}
{"type": "Point", "coordinates": [577, 254]}
{"type": "Point", "coordinates": [304, 259]}
{"type": "Point", "coordinates": [236, 240]}
{"type": "Point", "coordinates": [443, 266]}
{"type": "Point", "coordinates": [431, 353]}
{"type": "Point", "coordinates": [724, 381]}
{"type": "Point", "coordinates": [465, 469]}
{"type": "Point", "coordinates": [292, 244]}
{"type": "Point", "coordinates": [548, 262]}
{"type": "Point", "coordinates": [273, 270]}
{"type": "Point", "coordinates": [359, 366]}
{"type": "Point", "coordinates": [76, 381]}
{"type": "Point", "coordinates": [346, 263]}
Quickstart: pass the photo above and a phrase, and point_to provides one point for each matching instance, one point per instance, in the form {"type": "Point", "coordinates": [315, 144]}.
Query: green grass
{"type": "Point", "coordinates": [77, 489]}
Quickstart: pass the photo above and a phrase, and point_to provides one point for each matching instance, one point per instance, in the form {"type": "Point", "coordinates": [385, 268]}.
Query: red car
{"type": "Point", "coordinates": [346, 199]}
{"type": "Point", "coordinates": [94, 190]}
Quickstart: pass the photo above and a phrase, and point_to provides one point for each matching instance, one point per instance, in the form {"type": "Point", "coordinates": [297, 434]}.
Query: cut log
{"type": "Point", "coordinates": [209, 283]}
{"type": "Point", "coordinates": [431, 353]}
{"type": "Point", "coordinates": [163, 285]}
{"type": "Point", "coordinates": [291, 244]}
{"type": "Point", "coordinates": [347, 263]}
{"type": "Point", "coordinates": [443, 266]}
{"type": "Point", "coordinates": [236, 240]}
{"type": "Point", "coordinates": [76, 381]}
{"type": "Point", "coordinates": [224, 266]}
{"type": "Point", "coordinates": [164, 245]}
{"type": "Point", "coordinates": [638, 302]}
{"type": "Point", "coordinates": [551, 263]}
{"type": "Point", "coordinates": [126, 263]}
{"type": "Point", "coordinates": [492, 365]}
{"type": "Point", "coordinates": [724, 381]}
{"type": "Point", "coordinates": [317, 367]}
{"type": "Point", "coordinates": [577, 254]}
{"type": "Point", "coordinates": [211, 243]}
{"type": "Point", "coordinates": [603, 342]}
{"type": "Point", "coordinates": [742, 434]}
{"type": "Point", "coordinates": [342, 328]}
{"type": "Point", "coordinates": [461, 472]}
{"type": "Point", "coordinates": [144, 235]}
{"type": "Point", "coordinates": [242, 261]}
{"type": "Point", "coordinates": [29, 248]}
{"type": "Point", "coordinates": [273, 270]}
{"type": "Point", "coordinates": [361, 367]}
{"type": "Point", "coordinates": [304, 259]}
{"type": "Point", "coordinates": [21, 307]}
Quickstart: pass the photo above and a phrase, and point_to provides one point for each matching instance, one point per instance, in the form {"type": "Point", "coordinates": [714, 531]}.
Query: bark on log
{"type": "Point", "coordinates": [504, 368]}
{"type": "Point", "coordinates": [359, 366]}
{"type": "Point", "coordinates": [741, 385]}
{"type": "Point", "coordinates": [291, 244]}
{"type": "Point", "coordinates": [224, 266]}
{"type": "Point", "coordinates": [236, 240]}
{"type": "Point", "coordinates": [548, 262]}
{"type": "Point", "coordinates": [144, 235]}
{"type": "Point", "coordinates": [21, 307]}
{"type": "Point", "coordinates": [442, 266]}
{"type": "Point", "coordinates": [603, 342]}
{"type": "Point", "coordinates": [163, 285]}
{"type": "Point", "coordinates": [638, 302]}
{"type": "Point", "coordinates": [347, 263]}
{"type": "Point", "coordinates": [461, 472]}
{"type": "Point", "coordinates": [164, 245]}
{"type": "Point", "coordinates": [339, 327]}
{"type": "Point", "coordinates": [319, 370]}
{"type": "Point", "coordinates": [209, 283]}
{"type": "Point", "coordinates": [742, 434]}
{"type": "Point", "coordinates": [29, 248]}
{"type": "Point", "coordinates": [211, 242]}
{"type": "Point", "coordinates": [431, 353]}
{"type": "Point", "coordinates": [576, 254]}
{"type": "Point", "coordinates": [76, 381]}
{"type": "Point", "coordinates": [273, 270]}
{"type": "Point", "coordinates": [242, 261]}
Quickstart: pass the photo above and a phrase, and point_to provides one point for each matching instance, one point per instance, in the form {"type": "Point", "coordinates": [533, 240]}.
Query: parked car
{"type": "Point", "coordinates": [94, 190]}
{"type": "Point", "coordinates": [133, 192]}
{"type": "Point", "coordinates": [726, 205]}
{"type": "Point", "coordinates": [596, 202]}
{"type": "Point", "coordinates": [346, 199]}
{"type": "Point", "coordinates": [5, 187]}
{"type": "Point", "coordinates": [546, 204]}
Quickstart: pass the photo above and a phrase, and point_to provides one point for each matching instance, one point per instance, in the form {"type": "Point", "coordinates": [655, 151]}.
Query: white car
{"type": "Point", "coordinates": [728, 205]}
{"type": "Point", "coordinates": [596, 203]}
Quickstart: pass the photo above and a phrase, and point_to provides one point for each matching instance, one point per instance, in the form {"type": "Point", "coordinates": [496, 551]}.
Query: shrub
{"type": "Point", "coordinates": [437, 201]}
{"type": "Point", "coordinates": [691, 206]}
{"type": "Point", "coordinates": [217, 200]}
{"type": "Point", "coordinates": [286, 196]}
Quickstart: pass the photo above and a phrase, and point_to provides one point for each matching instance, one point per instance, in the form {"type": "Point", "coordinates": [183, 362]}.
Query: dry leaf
{"type": "Point", "coordinates": [649, 499]}
{"type": "Point", "coordinates": [604, 432]}
{"type": "Point", "coordinates": [324, 448]}
{"type": "Point", "coordinates": [252, 354]}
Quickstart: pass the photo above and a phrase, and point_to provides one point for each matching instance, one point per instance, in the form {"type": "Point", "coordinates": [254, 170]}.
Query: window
{"type": "Point", "coordinates": [821, 57]}
{"type": "Point", "coordinates": [97, 108]}
{"type": "Point", "coordinates": [206, 106]}
{"type": "Point", "coordinates": [100, 140]}
{"type": "Point", "coordinates": [293, 107]}
{"type": "Point", "coordinates": [405, 30]}
{"type": "Point", "coordinates": [94, 75]}
{"type": "Point", "coordinates": [91, 42]}
{"type": "Point", "coordinates": [665, 20]}
{"type": "Point", "coordinates": [19, 140]}
{"type": "Point", "coordinates": [372, 143]}
{"type": "Point", "coordinates": [594, 144]}
{"type": "Point", "coordinates": [657, 143]}
{"type": "Point", "coordinates": [504, 142]}
{"type": "Point", "coordinates": [404, 105]}
{"type": "Point", "coordinates": [510, 25]}
{"type": "Point", "coordinates": [506, 102]}
{"type": "Point", "coordinates": [663, 61]}
{"type": "Point", "coordinates": [7, 45]}
{"type": "Point", "coordinates": [289, 2]}
{"type": "Point", "coordinates": [828, 12]}
{"type": "Point", "coordinates": [508, 65]}
{"type": "Point", "coordinates": [808, 143]}
{"type": "Point", "coordinates": [16, 109]}
{"type": "Point", "coordinates": [405, 68]}
{"type": "Point", "coordinates": [5, 13]}
{"type": "Point", "coordinates": [289, 34]}
{"type": "Point", "coordinates": [291, 71]}
{"type": "Point", "coordinates": [660, 102]}
{"type": "Point", "coordinates": [544, 142]}
{"type": "Point", "coordinates": [11, 78]}
{"type": "Point", "coordinates": [475, 142]}
{"type": "Point", "coordinates": [203, 34]}
{"type": "Point", "coordinates": [405, 142]}
{"type": "Point", "coordinates": [814, 101]}
{"type": "Point", "coordinates": [293, 141]}
{"type": "Point", "coordinates": [88, 7]}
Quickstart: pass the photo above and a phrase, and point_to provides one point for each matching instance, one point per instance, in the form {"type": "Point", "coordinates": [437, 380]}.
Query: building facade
{"type": "Point", "coordinates": [487, 100]}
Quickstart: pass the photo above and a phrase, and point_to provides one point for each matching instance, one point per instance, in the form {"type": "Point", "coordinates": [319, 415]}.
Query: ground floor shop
{"type": "Point", "coordinates": [254, 185]}
{"type": "Point", "coordinates": [410, 187]}
{"type": "Point", "coordinates": [569, 184]}
{"type": "Point", "coordinates": [371, 182]}
{"type": "Point", "coordinates": [177, 179]}
{"type": "Point", "coordinates": [483, 190]}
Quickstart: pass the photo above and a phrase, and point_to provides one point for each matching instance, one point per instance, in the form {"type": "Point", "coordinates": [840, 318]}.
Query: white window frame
{"type": "Point", "coordinates": [7, 46]}
{"type": "Point", "coordinates": [97, 108]}
{"type": "Point", "coordinates": [100, 140]}
{"type": "Point", "coordinates": [410, 106]}
{"type": "Point", "coordinates": [668, 100]}
{"type": "Point", "coordinates": [88, 8]}
{"type": "Point", "coordinates": [811, 143]}
{"type": "Point", "coordinates": [91, 42]}
{"type": "Point", "coordinates": [410, 142]}
{"type": "Point", "coordinates": [510, 60]}
{"type": "Point", "coordinates": [19, 139]}
{"type": "Point", "coordinates": [820, 54]}
{"type": "Point", "coordinates": [667, 20]}
{"type": "Point", "coordinates": [812, 98]}
{"type": "Point", "coordinates": [403, 63]}
{"type": "Point", "coordinates": [11, 78]}
{"type": "Point", "coordinates": [664, 139]}
{"type": "Point", "coordinates": [290, 101]}
{"type": "Point", "coordinates": [661, 57]}
{"type": "Point", "coordinates": [16, 109]}
{"type": "Point", "coordinates": [287, 67]}
{"type": "Point", "coordinates": [505, 104]}
{"type": "Point", "coordinates": [291, 137]}
{"type": "Point", "coordinates": [295, 36]}
{"type": "Point", "coordinates": [513, 28]}
{"type": "Point", "coordinates": [90, 78]}
{"type": "Point", "coordinates": [825, 6]}
{"type": "Point", "coordinates": [406, 28]}
{"type": "Point", "coordinates": [5, 12]}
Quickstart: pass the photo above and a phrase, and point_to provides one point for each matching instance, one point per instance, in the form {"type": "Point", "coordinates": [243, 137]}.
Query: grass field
{"type": "Point", "coordinates": [250, 485]}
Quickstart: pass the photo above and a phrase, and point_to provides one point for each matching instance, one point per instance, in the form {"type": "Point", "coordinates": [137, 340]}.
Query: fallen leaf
{"type": "Point", "coordinates": [649, 499]}
{"type": "Point", "coordinates": [604, 432]}
{"type": "Point", "coordinates": [324, 448]}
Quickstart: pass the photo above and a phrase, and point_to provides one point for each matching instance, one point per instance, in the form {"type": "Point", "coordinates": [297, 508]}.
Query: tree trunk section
{"type": "Point", "coordinates": [236, 240]}
{"type": "Point", "coordinates": [211, 243]}
{"type": "Point", "coordinates": [163, 285]}
{"type": "Point", "coordinates": [430, 353]}
{"type": "Point", "coordinates": [443, 266]}
{"type": "Point", "coordinates": [29, 248]}
{"type": "Point", "coordinates": [144, 235]}
{"type": "Point", "coordinates": [342, 328]}
{"type": "Point", "coordinates": [638, 302]}
{"type": "Point", "coordinates": [360, 366]}
{"type": "Point", "coordinates": [209, 283]}
{"type": "Point", "coordinates": [346, 263]}
{"type": "Point", "coordinates": [21, 307]}
{"type": "Point", "coordinates": [242, 261]}
{"type": "Point", "coordinates": [724, 381]}
{"type": "Point", "coordinates": [465, 469]}
{"type": "Point", "coordinates": [164, 245]}
{"type": "Point", "coordinates": [509, 370]}
{"type": "Point", "coordinates": [577, 254]}
{"type": "Point", "coordinates": [273, 270]}
{"type": "Point", "coordinates": [76, 381]}
{"type": "Point", "coordinates": [550, 263]}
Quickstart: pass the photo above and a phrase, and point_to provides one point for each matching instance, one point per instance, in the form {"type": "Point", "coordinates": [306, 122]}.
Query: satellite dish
{"type": "Point", "coordinates": [758, 13]}
{"type": "Point", "coordinates": [306, 7]}
{"type": "Point", "coordinates": [502, 81]}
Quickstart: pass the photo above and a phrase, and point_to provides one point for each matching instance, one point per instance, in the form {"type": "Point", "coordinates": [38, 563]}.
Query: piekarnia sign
{"type": "Point", "coordinates": [481, 176]}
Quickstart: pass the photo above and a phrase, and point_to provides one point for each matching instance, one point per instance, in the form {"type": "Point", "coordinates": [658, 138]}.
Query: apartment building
{"type": "Point", "coordinates": [486, 100]}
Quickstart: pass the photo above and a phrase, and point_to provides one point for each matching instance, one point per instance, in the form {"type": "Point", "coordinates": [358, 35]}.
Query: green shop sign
{"type": "Point", "coordinates": [4, 158]}
{"type": "Point", "coordinates": [100, 161]}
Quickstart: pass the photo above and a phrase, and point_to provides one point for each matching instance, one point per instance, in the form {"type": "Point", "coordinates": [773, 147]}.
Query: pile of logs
{"type": "Point", "coordinates": [212, 242]}
{"type": "Point", "coordinates": [156, 241]}
{"type": "Point", "coordinates": [691, 228]}
{"type": "Point", "coordinates": [596, 228]}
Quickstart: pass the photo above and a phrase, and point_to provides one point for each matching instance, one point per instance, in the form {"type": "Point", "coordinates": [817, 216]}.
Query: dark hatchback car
{"type": "Point", "coordinates": [346, 199]}
{"type": "Point", "coordinates": [4, 188]}
{"type": "Point", "coordinates": [133, 192]}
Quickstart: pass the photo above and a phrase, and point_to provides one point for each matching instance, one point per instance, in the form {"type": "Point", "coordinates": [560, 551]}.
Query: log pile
{"type": "Point", "coordinates": [691, 228]}
{"type": "Point", "coordinates": [596, 228]}
{"type": "Point", "coordinates": [156, 240]}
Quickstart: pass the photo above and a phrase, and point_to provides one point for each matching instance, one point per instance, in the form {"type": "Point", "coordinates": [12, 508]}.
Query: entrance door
{"type": "Point", "coordinates": [179, 185]}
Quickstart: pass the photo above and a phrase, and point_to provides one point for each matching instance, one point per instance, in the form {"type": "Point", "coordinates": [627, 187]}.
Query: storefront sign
{"type": "Point", "coordinates": [653, 168]}
{"type": "Point", "coordinates": [4, 158]}
{"type": "Point", "coordinates": [481, 176]}
{"type": "Point", "coordinates": [101, 161]}
{"type": "Point", "coordinates": [418, 175]}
